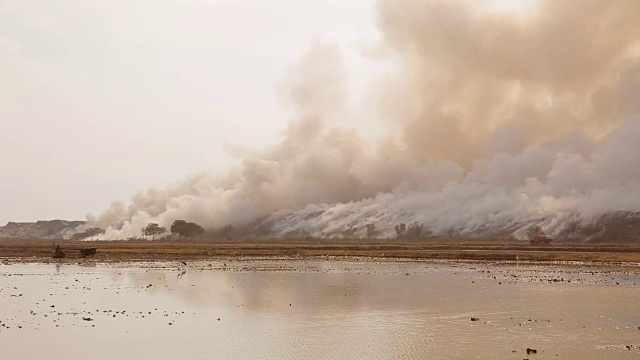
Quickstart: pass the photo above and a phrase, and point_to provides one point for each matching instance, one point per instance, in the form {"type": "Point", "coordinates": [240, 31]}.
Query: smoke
{"type": "Point", "coordinates": [494, 121]}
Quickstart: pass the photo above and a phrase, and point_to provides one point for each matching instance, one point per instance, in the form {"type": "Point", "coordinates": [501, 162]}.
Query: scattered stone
{"type": "Point", "coordinates": [87, 319]}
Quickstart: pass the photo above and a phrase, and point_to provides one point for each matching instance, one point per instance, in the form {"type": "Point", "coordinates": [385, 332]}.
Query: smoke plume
{"type": "Point", "coordinates": [495, 121]}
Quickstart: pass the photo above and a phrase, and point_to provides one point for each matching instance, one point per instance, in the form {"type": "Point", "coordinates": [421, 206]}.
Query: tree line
{"type": "Point", "coordinates": [181, 228]}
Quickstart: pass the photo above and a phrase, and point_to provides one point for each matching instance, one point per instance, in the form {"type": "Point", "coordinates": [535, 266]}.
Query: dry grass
{"type": "Point", "coordinates": [466, 250]}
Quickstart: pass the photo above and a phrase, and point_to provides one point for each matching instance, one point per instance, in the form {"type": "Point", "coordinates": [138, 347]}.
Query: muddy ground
{"type": "Point", "coordinates": [129, 251]}
{"type": "Point", "coordinates": [253, 307]}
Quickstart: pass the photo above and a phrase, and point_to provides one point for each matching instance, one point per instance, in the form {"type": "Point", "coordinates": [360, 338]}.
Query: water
{"type": "Point", "coordinates": [269, 309]}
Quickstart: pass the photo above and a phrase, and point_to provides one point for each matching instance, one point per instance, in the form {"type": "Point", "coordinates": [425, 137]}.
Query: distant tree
{"type": "Point", "coordinates": [415, 231]}
{"type": "Point", "coordinates": [153, 229]}
{"type": "Point", "coordinates": [534, 231]}
{"type": "Point", "coordinates": [90, 232]}
{"type": "Point", "coordinates": [177, 228]}
{"type": "Point", "coordinates": [350, 232]}
{"type": "Point", "coordinates": [229, 232]}
{"type": "Point", "coordinates": [191, 229]}
{"type": "Point", "coordinates": [400, 229]}
{"type": "Point", "coordinates": [371, 231]}
{"type": "Point", "coordinates": [186, 229]}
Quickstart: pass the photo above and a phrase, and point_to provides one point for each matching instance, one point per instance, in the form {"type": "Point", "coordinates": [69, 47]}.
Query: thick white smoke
{"type": "Point", "coordinates": [495, 122]}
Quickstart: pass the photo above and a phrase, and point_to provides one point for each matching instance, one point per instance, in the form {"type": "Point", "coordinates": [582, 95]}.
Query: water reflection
{"type": "Point", "coordinates": [322, 310]}
{"type": "Point", "coordinates": [181, 274]}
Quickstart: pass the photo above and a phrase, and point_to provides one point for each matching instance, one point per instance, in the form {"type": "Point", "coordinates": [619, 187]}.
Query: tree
{"type": "Point", "coordinates": [415, 231]}
{"type": "Point", "coordinates": [371, 231]}
{"type": "Point", "coordinates": [90, 232]}
{"type": "Point", "coordinates": [350, 232]}
{"type": "Point", "coordinates": [534, 231]}
{"type": "Point", "coordinates": [186, 229]}
{"type": "Point", "coordinates": [229, 232]}
{"type": "Point", "coordinates": [176, 228]}
{"type": "Point", "coordinates": [153, 229]}
{"type": "Point", "coordinates": [191, 229]}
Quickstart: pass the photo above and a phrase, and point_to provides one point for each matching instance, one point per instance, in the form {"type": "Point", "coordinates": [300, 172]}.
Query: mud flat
{"type": "Point", "coordinates": [312, 308]}
{"type": "Point", "coordinates": [116, 251]}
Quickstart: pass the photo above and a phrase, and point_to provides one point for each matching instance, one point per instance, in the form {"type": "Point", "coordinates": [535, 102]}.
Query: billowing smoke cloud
{"type": "Point", "coordinates": [496, 122]}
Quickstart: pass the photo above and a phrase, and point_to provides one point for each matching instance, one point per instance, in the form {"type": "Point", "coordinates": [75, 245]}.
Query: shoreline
{"type": "Point", "coordinates": [41, 251]}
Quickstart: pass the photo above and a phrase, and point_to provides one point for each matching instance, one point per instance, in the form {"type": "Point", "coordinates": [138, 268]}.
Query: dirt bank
{"type": "Point", "coordinates": [113, 251]}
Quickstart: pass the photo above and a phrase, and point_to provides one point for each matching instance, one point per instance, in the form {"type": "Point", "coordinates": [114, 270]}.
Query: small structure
{"type": "Point", "coordinates": [58, 253]}
{"type": "Point", "coordinates": [541, 239]}
{"type": "Point", "coordinates": [88, 251]}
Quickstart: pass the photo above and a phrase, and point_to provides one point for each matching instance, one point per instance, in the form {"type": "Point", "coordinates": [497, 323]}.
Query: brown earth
{"type": "Point", "coordinates": [114, 251]}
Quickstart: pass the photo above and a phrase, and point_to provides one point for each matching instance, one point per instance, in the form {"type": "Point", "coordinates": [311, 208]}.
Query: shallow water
{"type": "Point", "coordinates": [268, 309]}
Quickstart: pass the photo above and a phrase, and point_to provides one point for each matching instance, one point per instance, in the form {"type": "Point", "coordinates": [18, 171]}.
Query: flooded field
{"type": "Point", "coordinates": [312, 309]}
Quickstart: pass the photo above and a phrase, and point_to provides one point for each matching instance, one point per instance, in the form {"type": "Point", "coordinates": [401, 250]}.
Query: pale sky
{"type": "Point", "coordinates": [101, 99]}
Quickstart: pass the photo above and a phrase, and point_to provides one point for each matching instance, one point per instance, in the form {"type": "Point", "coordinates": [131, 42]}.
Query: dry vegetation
{"type": "Point", "coordinates": [38, 250]}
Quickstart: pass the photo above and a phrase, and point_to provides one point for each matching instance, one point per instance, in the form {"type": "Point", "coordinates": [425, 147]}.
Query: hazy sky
{"type": "Point", "coordinates": [100, 99]}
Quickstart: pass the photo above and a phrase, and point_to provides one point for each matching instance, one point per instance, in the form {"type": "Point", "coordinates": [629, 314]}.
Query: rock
{"type": "Point", "coordinates": [87, 319]}
{"type": "Point", "coordinates": [475, 319]}
{"type": "Point", "coordinates": [531, 351]}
